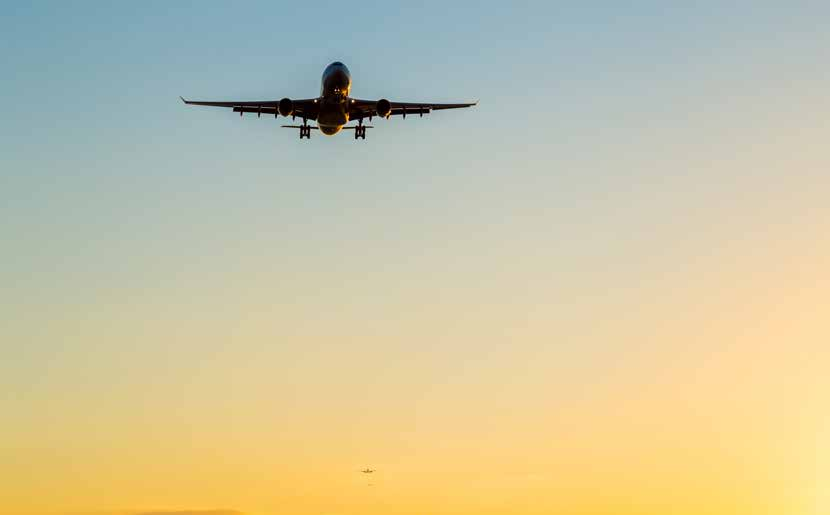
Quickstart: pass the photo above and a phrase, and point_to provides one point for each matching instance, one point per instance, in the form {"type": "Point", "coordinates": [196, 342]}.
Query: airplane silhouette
{"type": "Point", "coordinates": [334, 108]}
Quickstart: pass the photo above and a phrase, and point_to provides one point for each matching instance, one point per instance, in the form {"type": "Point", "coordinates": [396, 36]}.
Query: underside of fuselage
{"type": "Point", "coordinates": [329, 130]}
{"type": "Point", "coordinates": [332, 116]}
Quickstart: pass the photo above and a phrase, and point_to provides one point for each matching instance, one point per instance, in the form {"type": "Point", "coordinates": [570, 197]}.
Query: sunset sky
{"type": "Point", "coordinates": [603, 291]}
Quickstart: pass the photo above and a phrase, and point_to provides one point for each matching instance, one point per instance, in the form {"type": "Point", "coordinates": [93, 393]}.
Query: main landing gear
{"type": "Point", "coordinates": [360, 132]}
{"type": "Point", "coordinates": [305, 131]}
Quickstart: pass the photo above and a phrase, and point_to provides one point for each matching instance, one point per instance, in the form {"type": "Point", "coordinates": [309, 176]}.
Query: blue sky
{"type": "Point", "coordinates": [97, 144]}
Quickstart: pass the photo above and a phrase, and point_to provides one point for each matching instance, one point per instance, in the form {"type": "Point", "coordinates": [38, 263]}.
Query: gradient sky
{"type": "Point", "coordinates": [602, 291]}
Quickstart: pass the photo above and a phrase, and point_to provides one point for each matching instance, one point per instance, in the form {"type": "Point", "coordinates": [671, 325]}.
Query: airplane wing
{"type": "Point", "coordinates": [366, 108]}
{"type": "Point", "coordinates": [302, 108]}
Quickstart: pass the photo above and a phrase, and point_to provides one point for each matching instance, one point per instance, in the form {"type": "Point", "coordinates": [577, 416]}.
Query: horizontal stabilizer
{"type": "Point", "coordinates": [255, 110]}
{"type": "Point", "coordinates": [351, 128]}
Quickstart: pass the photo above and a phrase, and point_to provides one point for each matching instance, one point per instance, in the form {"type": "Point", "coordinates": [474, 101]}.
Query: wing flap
{"type": "Point", "coordinates": [256, 110]}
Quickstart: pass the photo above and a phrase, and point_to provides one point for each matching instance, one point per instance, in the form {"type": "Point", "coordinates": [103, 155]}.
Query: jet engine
{"type": "Point", "coordinates": [383, 108]}
{"type": "Point", "coordinates": [286, 107]}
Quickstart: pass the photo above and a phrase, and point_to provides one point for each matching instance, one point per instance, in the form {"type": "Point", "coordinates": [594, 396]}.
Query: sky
{"type": "Point", "coordinates": [602, 291]}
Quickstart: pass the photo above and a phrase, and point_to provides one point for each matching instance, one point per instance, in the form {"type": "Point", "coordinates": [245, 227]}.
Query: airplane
{"type": "Point", "coordinates": [333, 109]}
{"type": "Point", "coordinates": [367, 471]}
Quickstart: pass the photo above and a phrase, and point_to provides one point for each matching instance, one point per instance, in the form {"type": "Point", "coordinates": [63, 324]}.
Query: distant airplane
{"type": "Point", "coordinates": [333, 108]}
{"type": "Point", "coordinates": [367, 471]}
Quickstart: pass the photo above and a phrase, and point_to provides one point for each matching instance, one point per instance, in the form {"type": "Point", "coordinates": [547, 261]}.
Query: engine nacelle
{"type": "Point", "coordinates": [383, 108]}
{"type": "Point", "coordinates": [286, 107]}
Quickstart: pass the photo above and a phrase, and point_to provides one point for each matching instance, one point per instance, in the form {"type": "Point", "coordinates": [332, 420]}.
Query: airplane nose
{"type": "Point", "coordinates": [340, 80]}
{"type": "Point", "coordinates": [336, 80]}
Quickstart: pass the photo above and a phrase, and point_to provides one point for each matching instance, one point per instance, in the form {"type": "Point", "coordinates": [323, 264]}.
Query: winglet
{"type": "Point", "coordinates": [183, 100]}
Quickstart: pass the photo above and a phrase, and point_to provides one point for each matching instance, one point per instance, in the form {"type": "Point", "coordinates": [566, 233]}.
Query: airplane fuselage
{"type": "Point", "coordinates": [333, 112]}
